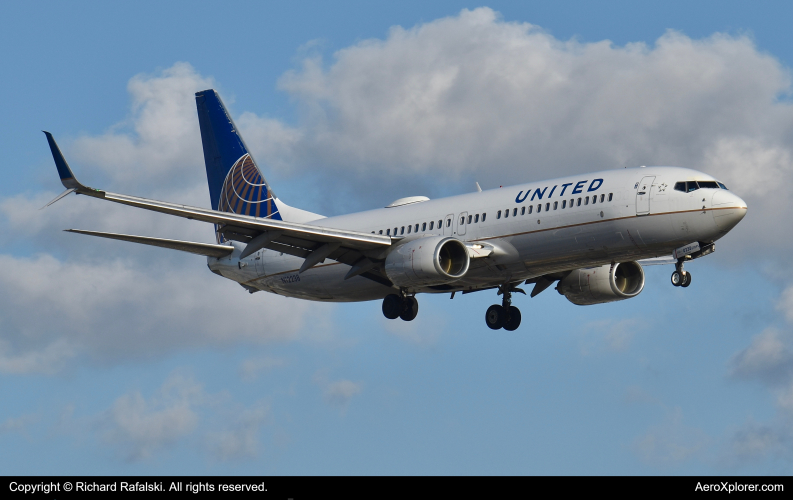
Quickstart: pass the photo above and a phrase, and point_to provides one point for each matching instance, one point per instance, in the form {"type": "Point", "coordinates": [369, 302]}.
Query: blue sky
{"type": "Point", "coordinates": [122, 360]}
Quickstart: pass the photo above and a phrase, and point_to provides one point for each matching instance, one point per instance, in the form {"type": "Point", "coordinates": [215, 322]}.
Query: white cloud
{"type": "Point", "coordinates": [239, 440]}
{"type": "Point", "coordinates": [785, 303]}
{"type": "Point", "coordinates": [768, 358]}
{"type": "Point", "coordinates": [252, 367]}
{"type": "Point", "coordinates": [337, 393]}
{"type": "Point", "coordinates": [17, 425]}
{"type": "Point", "coordinates": [164, 145]}
{"type": "Point", "coordinates": [671, 442]}
{"type": "Point", "coordinates": [340, 392]}
{"type": "Point", "coordinates": [609, 335]}
{"type": "Point", "coordinates": [52, 311]}
{"type": "Point", "coordinates": [138, 427]}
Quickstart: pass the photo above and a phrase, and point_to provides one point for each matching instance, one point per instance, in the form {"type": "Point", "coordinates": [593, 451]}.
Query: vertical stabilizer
{"type": "Point", "coordinates": [235, 182]}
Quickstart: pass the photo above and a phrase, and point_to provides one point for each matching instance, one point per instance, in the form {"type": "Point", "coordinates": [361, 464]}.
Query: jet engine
{"type": "Point", "coordinates": [433, 260]}
{"type": "Point", "coordinates": [598, 285]}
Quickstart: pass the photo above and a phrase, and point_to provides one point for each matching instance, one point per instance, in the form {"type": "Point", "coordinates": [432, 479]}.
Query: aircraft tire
{"type": "Point", "coordinates": [410, 308]}
{"type": "Point", "coordinates": [677, 278]}
{"type": "Point", "coordinates": [686, 280]}
{"type": "Point", "coordinates": [495, 317]}
{"type": "Point", "coordinates": [513, 320]}
{"type": "Point", "coordinates": [392, 306]}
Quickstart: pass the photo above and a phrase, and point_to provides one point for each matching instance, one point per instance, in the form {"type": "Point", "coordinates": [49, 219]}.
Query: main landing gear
{"type": "Point", "coordinates": [681, 277]}
{"type": "Point", "coordinates": [506, 315]}
{"type": "Point", "coordinates": [400, 306]}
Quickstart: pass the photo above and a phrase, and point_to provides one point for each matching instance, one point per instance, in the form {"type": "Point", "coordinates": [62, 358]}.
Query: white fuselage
{"type": "Point", "coordinates": [637, 214]}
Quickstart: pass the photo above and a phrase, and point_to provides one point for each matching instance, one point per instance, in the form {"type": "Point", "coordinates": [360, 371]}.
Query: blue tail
{"type": "Point", "coordinates": [235, 182]}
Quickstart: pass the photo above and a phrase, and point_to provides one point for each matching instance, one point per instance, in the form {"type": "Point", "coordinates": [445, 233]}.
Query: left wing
{"type": "Point", "coordinates": [361, 250]}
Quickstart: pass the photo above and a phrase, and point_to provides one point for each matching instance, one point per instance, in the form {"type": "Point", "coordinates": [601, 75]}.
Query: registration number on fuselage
{"type": "Point", "coordinates": [292, 278]}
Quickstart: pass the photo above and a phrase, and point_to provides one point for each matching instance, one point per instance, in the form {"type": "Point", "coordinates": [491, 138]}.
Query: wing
{"type": "Point", "coordinates": [208, 249]}
{"type": "Point", "coordinates": [362, 251]}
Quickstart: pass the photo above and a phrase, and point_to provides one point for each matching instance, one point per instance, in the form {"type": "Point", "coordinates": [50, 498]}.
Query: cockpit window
{"type": "Point", "coordinates": [722, 186]}
{"type": "Point", "coordinates": [692, 186]}
{"type": "Point", "coordinates": [708, 185]}
{"type": "Point", "coordinates": [680, 186]}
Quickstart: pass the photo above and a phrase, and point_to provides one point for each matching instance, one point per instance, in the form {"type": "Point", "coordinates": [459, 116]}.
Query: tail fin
{"type": "Point", "coordinates": [235, 182]}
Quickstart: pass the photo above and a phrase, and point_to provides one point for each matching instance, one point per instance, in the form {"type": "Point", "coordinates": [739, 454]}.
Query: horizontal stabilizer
{"type": "Point", "coordinates": [208, 249]}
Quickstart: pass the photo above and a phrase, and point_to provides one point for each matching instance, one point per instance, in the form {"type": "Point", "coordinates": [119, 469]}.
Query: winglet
{"type": "Point", "coordinates": [68, 179]}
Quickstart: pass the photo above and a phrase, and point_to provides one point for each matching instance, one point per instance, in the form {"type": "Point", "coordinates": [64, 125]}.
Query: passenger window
{"type": "Point", "coordinates": [506, 213]}
{"type": "Point", "coordinates": [602, 197]}
{"type": "Point", "coordinates": [448, 223]}
{"type": "Point", "coordinates": [462, 219]}
{"type": "Point", "coordinates": [564, 204]}
{"type": "Point", "coordinates": [409, 228]}
{"type": "Point", "coordinates": [555, 205]}
{"type": "Point", "coordinates": [470, 218]}
{"type": "Point", "coordinates": [381, 231]}
{"type": "Point", "coordinates": [514, 211]}
{"type": "Point", "coordinates": [531, 208]}
{"type": "Point", "coordinates": [579, 202]}
{"type": "Point", "coordinates": [594, 199]}
{"type": "Point", "coordinates": [388, 232]}
{"type": "Point", "coordinates": [572, 203]}
{"type": "Point", "coordinates": [539, 208]}
{"type": "Point", "coordinates": [611, 195]}
{"type": "Point", "coordinates": [586, 200]}
{"type": "Point", "coordinates": [523, 210]}
{"type": "Point", "coordinates": [692, 186]}
{"type": "Point", "coordinates": [423, 227]}
{"type": "Point", "coordinates": [396, 231]}
{"type": "Point", "coordinates": [476, 218]}
{"type": "Point", "coordinates": [403, 230]}
{"type": "Point", "coordinates": [680, 186]}
{"type": "Point", "coordinates": [432, 224]}
{"type": "Point", "coordinates": [547, 206]}
{"type": "Point", "coordinates": [484, 216]}
{"type": "Point", "coordinates": [440, 224]}
{"type": "Point", "coordinates": [498, 215]}
{"type": "Point", "coordinates": [416, 228]}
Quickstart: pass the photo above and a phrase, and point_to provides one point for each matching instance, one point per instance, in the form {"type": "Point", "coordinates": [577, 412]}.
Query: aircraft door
{"type": "Point", "coordinates": [462, 222]}
{"type": "Point", "coordinates": [258, 258]}
{"type": "Point", "coordinates": [643, 190]}
{"type": "Point", "coordinates": [448, 225]}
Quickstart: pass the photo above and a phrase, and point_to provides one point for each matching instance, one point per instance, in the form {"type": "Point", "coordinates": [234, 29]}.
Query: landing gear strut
{"type": "Point", "coordinates": [681, 277]}
{"type": "Point", "coordinates": [506, 315]}
{"type": "Point", "coordinates": [400, 306]}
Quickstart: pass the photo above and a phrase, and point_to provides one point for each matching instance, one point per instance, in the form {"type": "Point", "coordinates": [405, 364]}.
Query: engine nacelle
{"type": "Point", "coordinates": [434, 260]}
{"type": "Point", "coordinates": [598, 285]}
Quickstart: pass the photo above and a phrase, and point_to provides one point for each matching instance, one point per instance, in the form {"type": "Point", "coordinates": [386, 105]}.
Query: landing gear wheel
{"type": "Point", "coordinates": [677, 278]}
{"type": "Point", "coordinates": [495, 317]}
{"type": "Point", "coordinates": [392, 306]}
{"type": "Point", "coordinates": [686, 280]}
{"type": "Point", "coordinates": [410, 308]}
{"type": "Point", "coordinates": [513, 319]}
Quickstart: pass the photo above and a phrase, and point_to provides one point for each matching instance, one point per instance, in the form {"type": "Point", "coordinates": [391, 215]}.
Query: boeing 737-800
{"type": "Point", "coordinates": [585, 232]}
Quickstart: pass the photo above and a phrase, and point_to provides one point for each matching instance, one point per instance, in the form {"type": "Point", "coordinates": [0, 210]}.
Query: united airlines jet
{"type": "Point", "coordinates": [585, 233]}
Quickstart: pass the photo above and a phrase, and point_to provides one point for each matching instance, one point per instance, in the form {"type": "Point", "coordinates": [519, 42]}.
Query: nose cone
{"type": "Point", "coordinates": [728, 210]}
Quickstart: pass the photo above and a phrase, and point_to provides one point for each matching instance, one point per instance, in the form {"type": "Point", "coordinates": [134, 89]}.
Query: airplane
{"type": "Point", "coordinates": [589, 233]}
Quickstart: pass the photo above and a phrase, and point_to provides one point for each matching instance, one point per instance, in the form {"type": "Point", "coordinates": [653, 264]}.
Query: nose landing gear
{"type": "Point", "coordinates": [506, 315]}
{"type": "Point", "coordinates": [681, 277]}
{"type": "Point", "coordinates": [400, 306]}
